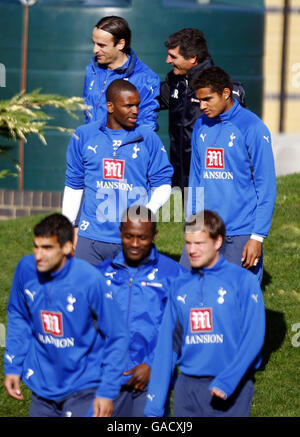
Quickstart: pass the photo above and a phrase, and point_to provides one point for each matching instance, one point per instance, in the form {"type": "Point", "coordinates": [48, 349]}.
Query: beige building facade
{"type": "Point", "coordinates": [281, 104]}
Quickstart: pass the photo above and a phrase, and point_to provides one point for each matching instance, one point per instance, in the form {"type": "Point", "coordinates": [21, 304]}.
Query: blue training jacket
{"type": "Point", "coordinates": [232, 160]}
{"type": "Point", "coordinates": [142, 295]}
{"type": "Point", "coordinates": [214, 325]}
{"type": "Point", "coordinates": [52, 342]}
{"type": "Point", "coordinates": [117, 168]}
{"type": "Point", "coordinates": [98, 78]}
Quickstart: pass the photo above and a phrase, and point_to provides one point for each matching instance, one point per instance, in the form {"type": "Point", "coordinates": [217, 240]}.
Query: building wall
{"type": "Point", "coordinates": [274, 23]}
{"type": "Point", "coordinates": [59, 48]}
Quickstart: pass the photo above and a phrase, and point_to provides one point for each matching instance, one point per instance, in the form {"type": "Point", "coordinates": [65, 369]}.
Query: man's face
{"type": "Point", "coordinates": [212, 103]}
{"type": "Point", "coordinates": [124, 110]}
{"type": "Point", "coordinates": [49, 256]}
{"type": "Point", "coordinates": [179, 63]}
{"type": "Point", "coordinates": [201, 249]}
{"type": "Point", "coordinates": [104, 48]}
{"type": "Point", "coordinates": [137, 238]}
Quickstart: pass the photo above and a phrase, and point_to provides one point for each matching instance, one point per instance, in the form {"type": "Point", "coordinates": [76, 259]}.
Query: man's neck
{"type": "Point", "coordinates": [122, 59]}
{"type": "Point", "coordinates": [229, 105]}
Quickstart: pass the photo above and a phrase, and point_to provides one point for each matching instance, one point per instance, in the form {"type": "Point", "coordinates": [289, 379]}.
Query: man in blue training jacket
{"type": "Point", "coordinates": [213, 329]}
{"type": "Point", "coordinates": [139, 279]}
{"type": "Point", "coordinates": [114, 59]}
{"type": "Point", "coordinates": [117, 165]}
{"type": "Point", "coordinates": [232, 160]}
{"type": "Point", "coordinates": [66, 339]}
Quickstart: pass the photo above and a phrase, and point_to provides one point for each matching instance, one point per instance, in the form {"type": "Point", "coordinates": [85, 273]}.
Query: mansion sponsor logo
{"type": "Point", "coordinates": [204, 338]}
{"type": "Point", "coordinates": [215, 164]}
{"type": "Point", "coordinates": [52, 323]}
{"type": "Point", "coordinates": [114, 185]}
{"type": "Point", "coordinates": [60, 343]}
{"type": "Point", "coordinates": [201, 320]}
{"type": "Point", "coordinates": [201, 327]}
{"type": "Point", "coordinates": [214, 158]}
{"type": "Point", "coordinates": [113, 169]}
{"type": "Point", "coordinates": [218, 175]}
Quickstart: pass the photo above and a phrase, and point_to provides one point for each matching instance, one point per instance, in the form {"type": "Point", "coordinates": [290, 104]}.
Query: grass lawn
{"type": "Point", "coordinates": [277, 382]}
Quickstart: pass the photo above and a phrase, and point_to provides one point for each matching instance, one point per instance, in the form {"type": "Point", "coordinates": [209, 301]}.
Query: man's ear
{"type": "Point", "coordinates": [226, 93]}
{"type": "Point", "coordinates": [110, 107]}
{"type": "Point", "coordinates": [121, 44]}
{"type": "Point", "coordinates": [219, 242]}
{"type": "Point", "coordinates": [193, 60]}
{"type": "Point", "coordinates": [68, 248]}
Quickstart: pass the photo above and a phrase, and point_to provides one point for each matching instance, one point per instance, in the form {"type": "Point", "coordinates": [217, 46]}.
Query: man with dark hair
{"type": "Point", "coordinates": [213, 329]}
{"type": "Point", "coordinates": [114, 59]}
{"type": "Point", "coordinates": [139, 278]}
{"type": "Point", "coordinates": [118, 165]}
{"type": "Point", "coordinates": [188, 55]}
{"type": "Point", "coordinates": [232, 160]}
{"type": "Point", "coordinates": [56, 312]}
{"type": "Point", "coordinates": [55, 225]}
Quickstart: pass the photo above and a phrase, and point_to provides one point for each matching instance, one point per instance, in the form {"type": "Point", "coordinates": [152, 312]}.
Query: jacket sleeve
{"type": "Point", "coordinates": [164, 97]}
{"type": "Point", "coordinates": [252, 319]}
{"type": "Point", "coordinates": [264, 177]}
{"type": "Point", "coordinates": [164, 362]}
{"type": "Point", "coordinates": [111, 324]}
{"type": "Point", "coordinates": [88, 113]}
{"type": "Point", "coordinates": [160, 171]}
{"type": "Point", "coordinates": [75, 167]}
{"type": "Point", "coordinates": [149, 106]}
{"type": "Point", "coordinates": [195, 197]}
{"type": "Point", "coordinates": [19, 332]}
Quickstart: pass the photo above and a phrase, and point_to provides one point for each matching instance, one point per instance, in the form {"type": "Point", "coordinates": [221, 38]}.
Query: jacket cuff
{"type": "Point", "coordinates": [257, 238]}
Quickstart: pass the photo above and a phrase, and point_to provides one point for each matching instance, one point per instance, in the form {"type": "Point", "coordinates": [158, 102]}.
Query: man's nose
{"type": "Point", "coordinates": [95, 49]}
{"type": "Point", "coordinates": [168, 59]}
{"type": "Point", "coordinates": [37, 253]}
{"type": "Point", "coordinates": [135, 242]}
{"type": "Point", "coordinates": [202, 105]}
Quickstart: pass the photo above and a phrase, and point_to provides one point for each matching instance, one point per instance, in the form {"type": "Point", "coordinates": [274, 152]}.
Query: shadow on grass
{"type": "Point", "coordinates": [276, 327]}
{"type": "Point", "coordinates": [266, 280]}
{"type": "Point", "coordinates": [276, 330]}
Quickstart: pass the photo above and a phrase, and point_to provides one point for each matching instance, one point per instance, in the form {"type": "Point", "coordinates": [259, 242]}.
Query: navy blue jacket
{"type": "Point", "coordinates": [178, 96]}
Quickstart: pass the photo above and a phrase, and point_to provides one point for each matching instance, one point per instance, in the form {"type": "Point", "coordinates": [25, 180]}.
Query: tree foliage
{"type": "Point", "coordinates": [23, 115]}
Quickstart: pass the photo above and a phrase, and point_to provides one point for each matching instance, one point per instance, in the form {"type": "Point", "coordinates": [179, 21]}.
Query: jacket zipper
{"type": "Point", "coordinates": [129, 300]}
{"type": "Point", "coordinates": [201, 276]}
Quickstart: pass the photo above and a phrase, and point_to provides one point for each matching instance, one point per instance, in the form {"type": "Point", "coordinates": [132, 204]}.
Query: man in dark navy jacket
{"type": "Point", "coordinates": [188, 55]}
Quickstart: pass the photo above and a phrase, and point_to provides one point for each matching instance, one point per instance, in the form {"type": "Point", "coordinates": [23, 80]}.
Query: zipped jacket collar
{"type": "Point", "coordinates": [126, 69]}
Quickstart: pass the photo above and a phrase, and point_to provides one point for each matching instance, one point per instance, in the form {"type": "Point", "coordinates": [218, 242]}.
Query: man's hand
{"type": "Point", "coordinates": [103, 407]}
{"type": "Point", "coordinates": [140, 376]}
{"type": "Point", "coordinates": [12, 386]}
{"type": "Point", "coordinates": [217, 393]}
{"type": "Point", "coordinates": [251, 253]}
